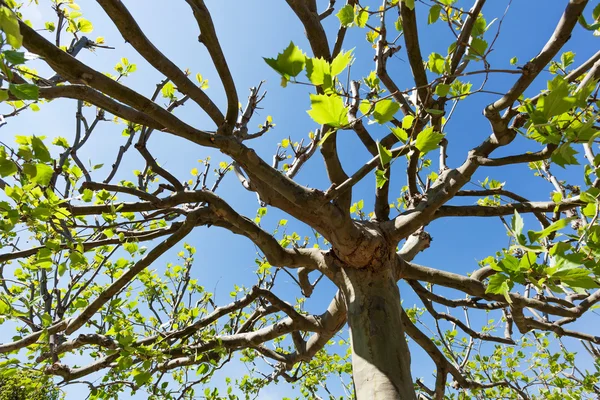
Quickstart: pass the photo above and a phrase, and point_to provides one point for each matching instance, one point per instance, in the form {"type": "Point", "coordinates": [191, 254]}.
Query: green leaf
{"type": "Point", "coordinates": [434, 14]}
{"type": "Point", "coordinates": [384, 110]}
{"type": "Point", "coordinates": [289, 63]}
{"type": "Point", "coordinates": [3, 95]}
{"type": "Point", "coordinates": [596, 12]}
{"type": "Point", "coordinates": [14, 57]}
{"type": "Point", "coordinates": [558, 100]}
{"type": "Point", "coordinates": [346, 15]}
{"type": "Point", "coordinates": [385, 156]}
{"type": "Point", "coordinates": [442, 89]}
{"type": "Point", "coordinates": [340, 62]}
{"type": "Point", "coordinates": [87, 195]}
{"type": "Point", "coordinates": [527, 261]}
{"type": "Point", "coordinates": [38, 173]}
{"type": "Point", "coordinates": [398, 25]}
{"type": "Point", "coordinates": [40, 150]}
{"type": "Point", "coordinates": [328, 110]}
{"type": "Point", "coordinates": [371, 36]}
{"type": "Point", "coordinates": [583, 282]}
{"type": "Point", "coordinates": [428, 140]}
{"type": "Point", "coordinates": [168, 90]}
{"type": "Point", "coordinates": [517, 224]}
{"type": "Point", "coordinates": [564, 155]}
{"type": "Point", "coordinates": [477, 47]}
{"type": "Point", "coordinates": [372, 81]}
{"type": "Point", "coordinates": [142, 377]}
{"type": "Point", "coordinates": [400, 133]}
{"type": "Point", "coordinates": [500, 284]}
{"type": "Point", "coordinates": [567, 58]}
{"type": "Point", "coordinates": [460, 89]}
{"type": "Point", "coordinates": [7, 168]}
{"type": "Point", "coordinates": [558, 225]}
{"type": "Point", "coordinates": [10, 26]}
{"type": "Point", "coordinates": [322, 73]}
{"type": "Point", "coordinates": [407, 121]}
{"type": "Point", "coordinates": [84, 25]}
{"type": "Point", "coordinates": [434, 111]}
{"type": "Point", "coordinates": [589, 27]}
{"type": "Point", "coordinates": [60, 141]}
{"type": "Point", "coordinates": [202, 369]}
{"type": "Point", "coordinates": [362, 17]}
{"type": "Point", "coordinates": [410, 4]}
{"type": "Point", "coordinates": [318, 72]}
{"type": "Point", "coordinates": [24, 91]}
{"type": "Point", "coordinates": [436, 63]}
{"type": "Point", "coordinates": [380, 178]}
{"type": "Point", "coordinates": [514, 61]}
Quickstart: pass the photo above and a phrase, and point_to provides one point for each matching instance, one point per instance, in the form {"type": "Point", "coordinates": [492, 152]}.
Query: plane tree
{"type": "Point", "coordinates": [84, 294]}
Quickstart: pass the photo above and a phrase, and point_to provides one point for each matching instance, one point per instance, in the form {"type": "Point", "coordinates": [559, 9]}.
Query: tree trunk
{"type": "Point", "coordinates": [380, 355]}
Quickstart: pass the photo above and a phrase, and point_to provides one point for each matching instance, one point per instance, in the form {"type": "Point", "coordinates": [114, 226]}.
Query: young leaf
{"type": "Point", "coordinates": [84, 25]}
{"type": "Point", "coordinates": [380, 178]}
{"type": "Point", "coordinates": [14, 57]}
{"type": "Point", "coordinates": [436, 63]}
{"type": "Point", "coordinates": [40, 150]}
{"type": "Point", "coordinates": [328, 110]}
{"type": "Point", "coordinates": [7, 168]}
{"type": "Point", "coordinates": [555, 226]}
{"type": "Point", "coordinates": [500, 284]}
{"type": "Point", "coordinates": [428, 140]}
{"type": "Point", "coordinates": [410, 4]}
{"type": "Point", "coordinates": [434, 14]}
{"type": "Point", "coordinates": [385, 156]}
{"type": "Point", "coordinates": [10, 26]}
{"type": "Point", "coordinates": [38, 173]}
{"type": "Point", "coordinates": [318, 72]}
{"type": "Point", "coordinates": [362, 17]}
{"type": "Point", "coordinates": [346, 15]}
{"type": "Point", "coordinates": [168, 90]}
{"type": "Point", "coordinates": [564, 155]}
{"type": "Point", "coordinates": [384, 110]}
{"type": "Point", "coordinates": [442, 89]}
{"type": "Point", "coordinates": [340, 62]}
{"type": "Point", "coordinates": [477, 47]}
{"type": "Point", "coordinates": [407, 122]}
{"type": "Point", "coordinates": [517, 224]}
{"type": "Point", "coordinates": [289, 63]}
{"type": "Point", "coordinates": [400, 133]}
{"type": "Point", "coordinates": [558, 100]}
{"type": "Point", "coordinates": [24, 91]}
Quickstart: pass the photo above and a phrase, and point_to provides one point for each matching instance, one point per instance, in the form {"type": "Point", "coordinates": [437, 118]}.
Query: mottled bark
{"type": "Point", "coordinates": [381, 358]}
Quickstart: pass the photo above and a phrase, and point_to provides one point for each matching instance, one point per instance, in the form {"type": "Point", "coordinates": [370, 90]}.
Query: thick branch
{"type": "Point", "coordinates": [133, 34]}
{"type": "Point", "coordinates": [413, 50]}
{"type": "Point", "coordinates": [208, 37]}
{"type": "Point", "coordinates": [533, 68]}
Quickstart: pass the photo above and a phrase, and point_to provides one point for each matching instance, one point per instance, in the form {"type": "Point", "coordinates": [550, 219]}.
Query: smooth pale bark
{"type": "Point", "coordinates": [381, 358]}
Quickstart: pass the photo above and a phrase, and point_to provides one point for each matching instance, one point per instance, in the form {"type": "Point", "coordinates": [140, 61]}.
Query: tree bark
{"type": "Point", "coordinates": [380, 354]}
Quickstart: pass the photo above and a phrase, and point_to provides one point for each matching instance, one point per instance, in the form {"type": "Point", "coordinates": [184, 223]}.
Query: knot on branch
{"type": "Point", "coordinates": [58, 369]}
{"type": "Point", "coordinates": [529, 69]}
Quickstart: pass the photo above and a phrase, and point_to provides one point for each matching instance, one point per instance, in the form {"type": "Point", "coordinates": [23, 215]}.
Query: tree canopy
{"type": "Point", "coordinates": [26, 385]}
{"type": "Point", "coordinates": [103, 235]}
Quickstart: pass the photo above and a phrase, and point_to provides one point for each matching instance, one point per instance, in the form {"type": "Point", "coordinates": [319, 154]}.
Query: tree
{"type": "Point", "coordinates": [26, 385]}
{"type": "Point", "coordinates": [87, 286]}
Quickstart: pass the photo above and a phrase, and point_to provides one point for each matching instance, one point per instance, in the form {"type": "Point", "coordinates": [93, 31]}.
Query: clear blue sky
{"type": "Point", "coordinates": [250, 30]}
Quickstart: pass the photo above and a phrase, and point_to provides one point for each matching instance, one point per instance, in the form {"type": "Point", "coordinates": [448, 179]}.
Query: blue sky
{"type": "Point", "coordinates": [250, 30]}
